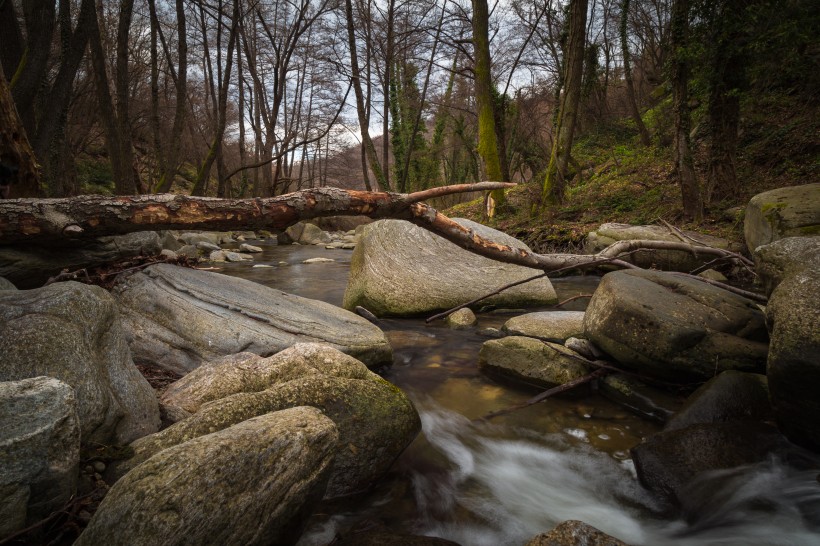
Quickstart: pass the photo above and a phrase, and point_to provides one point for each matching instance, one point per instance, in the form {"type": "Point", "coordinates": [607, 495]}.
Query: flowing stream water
{"type": "Point", "coordinates": [502, 482]}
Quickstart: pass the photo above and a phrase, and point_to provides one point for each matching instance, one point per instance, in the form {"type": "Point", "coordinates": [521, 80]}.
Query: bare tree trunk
{"type": "Point", "coordinates": [630, 86]}
{"type": "Point", "coordinates": [684, 164]}
{"type": "Point", "coordinates": [18, 169]}
{"type": "Point", "coordinates": [556, 179]}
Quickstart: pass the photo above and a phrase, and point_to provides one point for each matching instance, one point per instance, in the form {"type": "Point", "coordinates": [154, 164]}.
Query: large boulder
{"type": "Point", "coordinates": [177, 318]}
{"type": "Point", "coordinates": [401, 269]}
{"type": "Point", "coordinates": [30, 267]}
{"type": "Point", "coordinates": [669, 461]}
{"type": "Point", "coordinates": [669, 260]}
{"type": "Point", "coordinates": [555, 326]}
{"type": "Point", "coordinates": [39, 450]}
{"type": "Point", "coordinates": [307, 234]}
{"type": "Point", "coordinates": [731, 396]}
{"type": "Point", "coordinates": [791, 267]}
{"type": "Point", "coordinates": [72, 332]}
{"type": "Point", "coordinates": [785, 212]}
{"type": "Point", "coordinates": [531, 361]}
{"type": "Point", "coordinates": [251, 483]}
{"type": "Point", "coordinates": [675, 328]}
{"type": "Point", "coordinates": [376, 421]}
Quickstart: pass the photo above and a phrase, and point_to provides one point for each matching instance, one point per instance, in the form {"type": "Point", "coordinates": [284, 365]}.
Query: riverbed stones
{"type": "Point", "coordinates": [376, 421]}
{"type": "Point", "coordinates": [307, 234]}
{"type": "Point", "coordinates": [531, 361]}
{"type": "Point", "coordinates": [731, 396]}
{"type": "Point", "coordinates": [30, 267]}
{"type": "Point", "coordinates": [675, 328]}
{"type": "Point", "coordinates": [401, 269]}
{"type": "Point", "coordinates": [177, 318]}
{"type": "Point", "coordinates": [245, 247]}
{"type": "Point", "coordinates": [575, 533]}
{"type": "Point", "coordinates": [793, 211]}
{"type": "Point", "coordinates": [554, 326]}
{"type": "Point", "coordinates": [71, 331]}
{"type": "Point", "coordinates": [39, 450]}
{"type": "Point", "coordinates": [251, 483]}
{"type": "Point", "coordinates": [791, 268]}
{"type": "Point", "coordinates": [668, 260]}
{"type": "Point", "coordinates": [461, 319]}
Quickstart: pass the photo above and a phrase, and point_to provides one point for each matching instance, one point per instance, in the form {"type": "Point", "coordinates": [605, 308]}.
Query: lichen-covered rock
{"type": "Point", "coordinates": [532, 361]}
{"type": "Point", "coordinates": [731, 396]}
{"type": "Point", "coordinates": [39, 450]}
{"type": "Point", "coordinates": [72, 332]}
{"type": "Point", "coordinates": [668, 260]}
{"type": "Point", "coordinates": [555, 326]}
{"type": "Point", "coordinates": [376, 421]}
{"type": "Point", "coordinates": [30, 267]}
{"type": "Point", "coordinates": [791, 267]}
{"type": "Point", "coordinates": [575, 533]}
{"type": "Point", "coordinates": [462, 319]}
{"type": "Point", "coordinates": [675, 328]}
{"type": "Point", "coordinates": [251, 483]}
{"type": "Point", "coordinates": [177, 318]}
{"type": "Point", "coordinates": [401, 269]}
{"type": "Point", "coordinates": [793, 211]}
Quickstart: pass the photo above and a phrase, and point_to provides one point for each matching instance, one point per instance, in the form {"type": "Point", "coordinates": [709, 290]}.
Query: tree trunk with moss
{"type": "Point", "coordinates": [564, 131]}
{"type": "Point", "coordinates": [487, 139]}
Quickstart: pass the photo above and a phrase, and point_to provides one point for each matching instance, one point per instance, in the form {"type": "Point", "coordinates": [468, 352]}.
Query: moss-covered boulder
{"type": "Point", "coordinates": [791, 269]}
{"type": "Point", "coordinates": [376, 421]}
{"type": "Point", "coordinates": [178, 317]}
{"type": "Point", "coordinates": [784, 212]}
{"type": "Point", "coordinates": [675, 328]}
{"type": "Point", "coordinates": [251, 483]}
{"type": "Point", "coordinates": [72, 332]}
{"type": "Point", "coordinates": [531, 361]}
{"type": "Point", "coordinates": [401, 269]}
{"type": "Point", "coordinates": [667, 260]}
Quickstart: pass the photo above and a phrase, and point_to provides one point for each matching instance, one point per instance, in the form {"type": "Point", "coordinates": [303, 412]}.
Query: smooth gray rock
{"type": "Point", "coordinates": [555, 326]}
{"type": "Point", "coordinates": [32, 266]}
{"type": "Point", "coordinates": [252, 483]}
{"type": "Point", "coordinates": [461, 319]}
{"type": "Point", "coordinates": [237, 257]}
{"type": "Point", "coordinates": [39, 450]}
{"type": "Point", "coordinates": [532, 361]}
{"type": "Point", "coordinates": [731, 396]}
{"type": "Point", "coordinates": [169, 241]}
{"type": "Point", "coordinates": [791, 267]}
{"type": "Point", "coordinates": [189, 251]}
{"type": "Point", "coordinates": [784, 212]}
{"type": "Point", "coordinates": [72, 332]}
{"type": "Point", "coordinates": [245, 247]}
{"type": "Point", "coordinates": [575, 533]}
{"type": "Point", "coordinates": [177, 318]}
{"type": "Point", "coordinates": [675, 328]}
{"type": "Point", "coordinates": [6, 284]}
{"type": "Point", "coordinates": [217, 256]}
{"type": "Point", "coordinates": [207, 246]}
{"type": "Point", "coordinates": [401, 269]}
{"type": "Point", "coordinates": [668, 260]}
{"type": "Point", "coordinates": [639, 397]}
{"type": "Point", "coordinates": [307, 234]}
{"type": "Point", "coordinates": [376, 421]}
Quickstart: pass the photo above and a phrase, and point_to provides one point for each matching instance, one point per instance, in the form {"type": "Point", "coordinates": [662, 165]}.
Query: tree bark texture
{"type": "Point", "coordinates": [18, 171]}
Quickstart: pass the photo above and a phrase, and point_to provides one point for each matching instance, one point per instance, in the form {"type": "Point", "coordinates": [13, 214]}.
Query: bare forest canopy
{"type": "Point", "coordinates": [258, 98]}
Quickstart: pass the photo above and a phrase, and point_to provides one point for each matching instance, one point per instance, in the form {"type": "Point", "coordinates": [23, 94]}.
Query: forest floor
{"type": "Point", "coordinates": [622, 181]}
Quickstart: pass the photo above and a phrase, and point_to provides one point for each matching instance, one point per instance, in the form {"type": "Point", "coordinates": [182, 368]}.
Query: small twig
{"type": "Point", "coordinates": [569, 385]}
{"type": "Point", "coordinates": [729, 288]}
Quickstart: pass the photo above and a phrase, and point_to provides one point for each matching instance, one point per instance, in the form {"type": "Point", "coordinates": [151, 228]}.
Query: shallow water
{"type": "Point", "coordinates": [502, 482]}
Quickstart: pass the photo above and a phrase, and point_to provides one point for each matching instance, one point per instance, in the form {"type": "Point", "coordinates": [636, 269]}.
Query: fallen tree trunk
{"type": "Point", "coordinates": [44, 221]}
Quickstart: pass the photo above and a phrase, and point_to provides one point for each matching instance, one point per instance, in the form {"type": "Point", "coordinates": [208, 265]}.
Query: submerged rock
{"type": "Point", "coordinates": [376, 421]}
{"type": "Point", "coordinates": [675, 328]}
{"type": "Point", "coordinates": [72, 332]}
{"type": "Point", "coordinates": [401, 269]}
{"type": "Point", "coordinates": [251, 483]}
{"type": "Point", "coordinates": [532, 361]}
{"type": "Point", "coordinates": [39, 450]}
{"type": "Point", "coordinates": [177, 318]}
{"type": "Point", "coordinates": [461, 319]}
{"type": "Point", "coordinates": [575, 533]}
